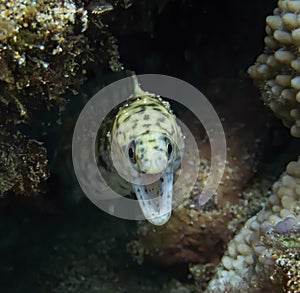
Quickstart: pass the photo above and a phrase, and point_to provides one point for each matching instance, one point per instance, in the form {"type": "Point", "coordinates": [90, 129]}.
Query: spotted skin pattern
{"type": "Point", "coordinates": [144, 135]}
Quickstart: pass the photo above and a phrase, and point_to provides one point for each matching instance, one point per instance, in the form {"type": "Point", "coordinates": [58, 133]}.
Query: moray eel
{"type": "Point", "coordinates": [145, 142]}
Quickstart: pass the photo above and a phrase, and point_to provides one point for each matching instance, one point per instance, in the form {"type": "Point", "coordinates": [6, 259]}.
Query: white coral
{"type": "Point", "coordinates": [247, 256]}
{"type": "Point", "coordinates": [277, 70]}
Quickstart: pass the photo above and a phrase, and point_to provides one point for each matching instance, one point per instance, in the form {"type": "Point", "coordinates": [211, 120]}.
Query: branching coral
{"type": "Point", "coordinates": [277, 70]}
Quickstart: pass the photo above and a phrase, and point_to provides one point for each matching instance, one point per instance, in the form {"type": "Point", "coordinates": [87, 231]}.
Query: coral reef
{"type": "Point", "coordinates": [63, 253]}
{"type": "Point", "coordinates": [46, 51]}
{"type": "Point", "coordinates": [276, 70]}
{"type": "Point", "coordinates": [267, 247]}
{"type": "Point", "coordinates": [261, 249]}
{"type": "Point", "coordinates": [41, 56]}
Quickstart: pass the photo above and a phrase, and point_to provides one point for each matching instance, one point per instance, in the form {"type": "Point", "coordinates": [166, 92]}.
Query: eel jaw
{"type": "Point", "coordinates": [157, 208]}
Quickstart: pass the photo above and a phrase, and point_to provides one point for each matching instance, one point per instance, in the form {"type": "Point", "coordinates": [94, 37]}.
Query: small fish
{"type": "Point", "coordinates": [99, 6]}
{"type": "Point", "coordinates": [144, 140]}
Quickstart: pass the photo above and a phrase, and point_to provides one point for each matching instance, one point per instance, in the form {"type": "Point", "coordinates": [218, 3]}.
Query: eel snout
{"type": "Point", "coordinates": [155, 200]}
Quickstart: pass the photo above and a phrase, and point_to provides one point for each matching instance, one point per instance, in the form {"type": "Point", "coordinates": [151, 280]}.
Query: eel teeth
{"type": "Point", "coordinates": [157, 208]}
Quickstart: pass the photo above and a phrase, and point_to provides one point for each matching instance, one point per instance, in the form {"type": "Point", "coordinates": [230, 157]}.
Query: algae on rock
{"type": "Point", "coordinates": [46, 51]}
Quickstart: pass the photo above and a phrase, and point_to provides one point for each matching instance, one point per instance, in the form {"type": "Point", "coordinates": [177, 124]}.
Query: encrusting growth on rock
{"type": "Point", "coordinates": [46, 51]}
{"type": "Point", "coordinates": [23, 164]}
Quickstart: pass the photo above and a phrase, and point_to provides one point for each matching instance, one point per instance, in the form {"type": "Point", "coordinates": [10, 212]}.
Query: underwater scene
{"type": "Point", "coordinates": [149, 146]}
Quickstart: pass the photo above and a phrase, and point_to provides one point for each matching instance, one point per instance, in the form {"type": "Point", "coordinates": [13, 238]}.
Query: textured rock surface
{"type": "Point", "coordinates": [23, 164]}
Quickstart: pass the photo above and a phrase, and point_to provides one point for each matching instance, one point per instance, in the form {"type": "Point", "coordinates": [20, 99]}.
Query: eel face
{"type": "Point", "coordinates": [153, 153]}
{"type": "Point", "coordinates": [150, 152]}
{"type": "Point", "coordinates": [146, 144]}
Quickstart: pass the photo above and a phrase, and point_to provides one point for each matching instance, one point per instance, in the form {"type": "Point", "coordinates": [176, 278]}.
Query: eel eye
{"type": "Point", "coordinates": [131, 152]}
{"type": "Point", "coordinates": [169, 148]}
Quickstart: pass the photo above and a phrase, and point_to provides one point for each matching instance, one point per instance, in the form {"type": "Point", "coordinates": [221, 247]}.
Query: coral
{"type": "Point", "coordinates": [23, 164]}
{"type": "Point", "coordinates": [46, 51]}
{"type": "Point", "coordinates": [41, 56]}
{"type": "Point", "coordinates": [202, 274]}
{"type": "Point", "coordinates": [264, 254]}
{"type": "Point", "coordinates": [287, 261]}
{"type": "Point", "coordinates": [290, 266]}
{"type": "Point", "coordinates": [277, 69]}
{"type": "Point", "coordinates": [261, 247]}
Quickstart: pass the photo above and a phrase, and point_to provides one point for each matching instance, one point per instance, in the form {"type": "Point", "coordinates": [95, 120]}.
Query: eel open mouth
{"type": "Point", "coordinates": [155, 200]}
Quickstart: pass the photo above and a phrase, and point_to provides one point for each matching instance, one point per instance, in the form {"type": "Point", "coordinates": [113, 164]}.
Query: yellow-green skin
{"type": "Point", "coordinates": [149, 121]}
{"type": "Point", "coordinates": [146, 139]}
